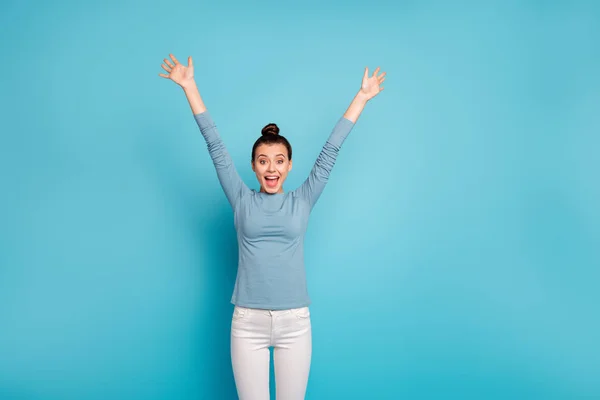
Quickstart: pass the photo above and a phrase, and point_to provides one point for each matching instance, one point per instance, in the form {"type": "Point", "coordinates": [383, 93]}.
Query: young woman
{"type": "Point", "coordinates": [270, 295]}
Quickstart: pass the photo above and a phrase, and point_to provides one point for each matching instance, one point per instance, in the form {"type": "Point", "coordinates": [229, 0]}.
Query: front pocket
{"type": "Point", "coordinates": [301, 313]}
{"type": "Point", "coordinates": [239, 313]}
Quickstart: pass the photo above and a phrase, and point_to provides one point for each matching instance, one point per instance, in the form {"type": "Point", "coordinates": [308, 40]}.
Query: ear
{"type": "Point", "coordinates": [252, 165]}
{"type": "Point", "coordinates": [290, 167]}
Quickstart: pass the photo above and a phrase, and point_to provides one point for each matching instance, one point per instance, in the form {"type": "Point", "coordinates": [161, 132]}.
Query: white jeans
{"type": "Point", "coordinates": [253, 331]}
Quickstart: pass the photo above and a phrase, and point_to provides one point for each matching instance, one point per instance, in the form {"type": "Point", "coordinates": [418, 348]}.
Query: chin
{"type": "Point", "coordinates": [272, 190]}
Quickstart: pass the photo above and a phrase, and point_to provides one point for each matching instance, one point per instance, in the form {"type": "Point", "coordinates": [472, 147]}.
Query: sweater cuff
{"type": "Point", "coordinates": [204, 120]}
{"type": "Point", "coordinates": [340, 131]}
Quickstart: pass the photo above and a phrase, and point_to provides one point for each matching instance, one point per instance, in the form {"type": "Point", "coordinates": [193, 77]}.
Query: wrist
{"type": "Point", "coordinates": [361, 97]}
{"type": "Point", "coordinates": [191, 85]}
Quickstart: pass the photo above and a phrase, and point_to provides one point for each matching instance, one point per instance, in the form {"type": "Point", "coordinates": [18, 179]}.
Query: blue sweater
{"type": "Point", "coordinates": [271, 227]}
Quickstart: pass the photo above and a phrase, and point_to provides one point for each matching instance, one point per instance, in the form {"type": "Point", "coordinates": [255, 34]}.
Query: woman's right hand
{"type": "Point", "coordinates": [178, 73]}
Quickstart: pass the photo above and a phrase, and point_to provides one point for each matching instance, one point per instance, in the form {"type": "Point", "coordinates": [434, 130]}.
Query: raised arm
{"type": "Point", "coordinates": [232, 184]}
{"type": "Point", "coordinates": [313, 186]}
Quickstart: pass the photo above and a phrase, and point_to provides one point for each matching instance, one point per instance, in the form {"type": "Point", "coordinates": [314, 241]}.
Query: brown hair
{"type": "Point", "coordinates": [270, 135]}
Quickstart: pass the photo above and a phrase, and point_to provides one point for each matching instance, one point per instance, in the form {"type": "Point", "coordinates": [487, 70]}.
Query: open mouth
{"type": "Point", "coordinates": [271, 181]}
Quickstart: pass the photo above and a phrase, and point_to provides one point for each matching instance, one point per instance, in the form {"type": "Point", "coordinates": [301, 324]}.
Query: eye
{"type": "Point", "coordinates": [262, 161]}
{"type": "Point", "coordinates": [280, 161]}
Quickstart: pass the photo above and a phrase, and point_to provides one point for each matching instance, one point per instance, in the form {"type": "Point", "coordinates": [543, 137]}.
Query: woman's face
{"type": "Point", "coordinates": [271, 166]}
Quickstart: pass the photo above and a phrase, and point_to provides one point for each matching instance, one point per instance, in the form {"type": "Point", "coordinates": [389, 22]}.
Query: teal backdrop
{"type": "Point", "coordinates": [455, 253]}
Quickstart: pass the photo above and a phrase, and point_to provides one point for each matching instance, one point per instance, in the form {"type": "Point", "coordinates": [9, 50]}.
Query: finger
{"type": "Point", "coordinates": [169, 63]}
{"type": "Point", "coordinates": [164, 76]}
{"type": "Point", "coordinates": [174, 59]}
{"type": "Point", "coordinates": [381, 80]}
{"type": "Point", "coordinates": [190, 62]}
{"type": "Point", "coordinates": [382, 75]}
{"type": "Point", "coordinates": [165, 68]}
{"type": "Point", "coordinates": [381, 89]}
{"type": "Point", "coordinates": [376, 71]}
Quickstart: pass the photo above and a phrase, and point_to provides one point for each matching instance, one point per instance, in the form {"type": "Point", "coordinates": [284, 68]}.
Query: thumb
{"type": "Point", "coordinates": [190, 63]}
{"type": "Point", "coordinates": [366, 75]}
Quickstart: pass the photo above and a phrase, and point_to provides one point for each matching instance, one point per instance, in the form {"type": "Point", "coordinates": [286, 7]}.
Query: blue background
{"type": "Point", "coordinates": [455, 253]}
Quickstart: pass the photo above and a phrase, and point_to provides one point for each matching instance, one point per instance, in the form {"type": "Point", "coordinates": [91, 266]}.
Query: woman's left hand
{"type": "Point", "coordinates": [371, 85]}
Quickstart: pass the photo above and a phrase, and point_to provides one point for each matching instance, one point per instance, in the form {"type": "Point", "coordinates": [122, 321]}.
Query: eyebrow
{"type": "Point", "coordinates": [264, 155]}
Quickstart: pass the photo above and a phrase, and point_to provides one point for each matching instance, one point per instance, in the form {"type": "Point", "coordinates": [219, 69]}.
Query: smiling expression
{"type": "Point", "coordinates": [271, 166]}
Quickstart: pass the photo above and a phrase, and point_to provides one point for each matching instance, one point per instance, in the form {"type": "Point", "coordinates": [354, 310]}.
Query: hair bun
{"type": "Point", "coordinates": [270, 129]}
